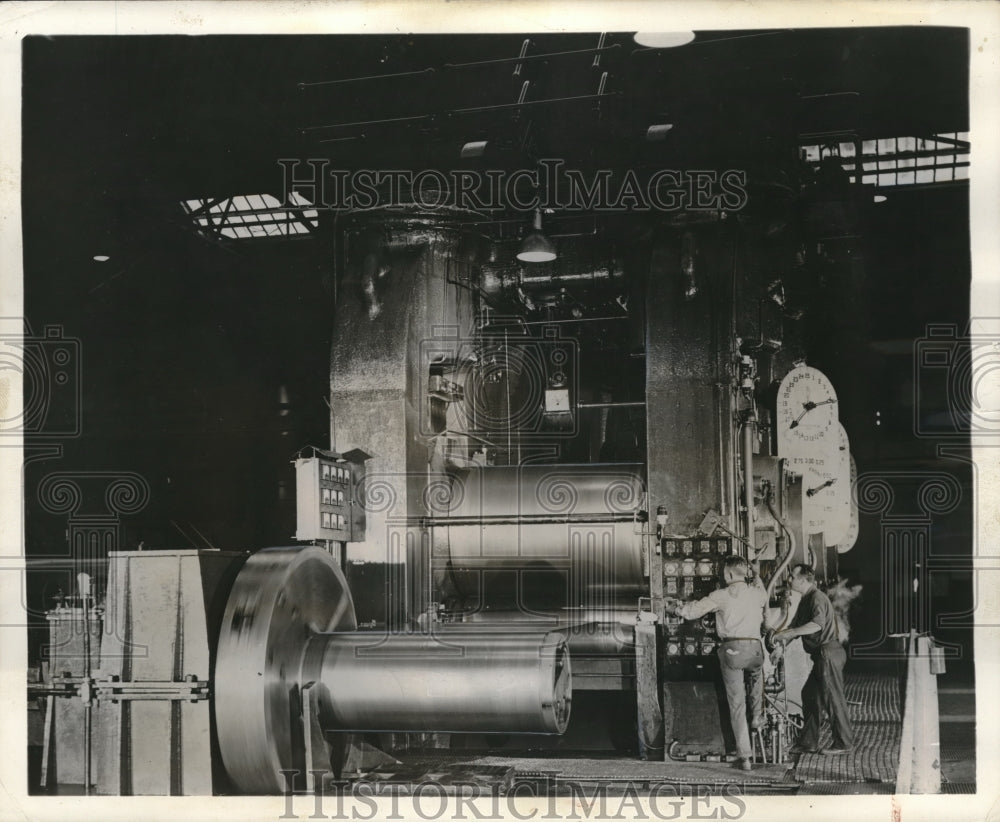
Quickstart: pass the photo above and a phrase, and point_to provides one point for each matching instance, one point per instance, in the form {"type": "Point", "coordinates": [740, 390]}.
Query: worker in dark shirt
{"type": "Point", "coordinates": [816, 622]}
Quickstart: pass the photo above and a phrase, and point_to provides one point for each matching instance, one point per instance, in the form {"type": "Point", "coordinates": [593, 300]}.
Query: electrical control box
{"type": "Point", "coordinates": [326, 503]}
{"type": "Point", "coordinates": [692, 569]}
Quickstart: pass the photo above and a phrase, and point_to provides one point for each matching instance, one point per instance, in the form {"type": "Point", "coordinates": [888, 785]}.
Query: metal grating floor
{"type": "Point", "coordinates": [849, 789]}
{"type": "Point", "coordinates": [873, 698]}
{"type": "Point", "coordinates": [874, 705]}
{"type": "Point", "coordinates": [630, 770]}
{"type": "Point", "coordinates": [875, 757]}
{"type": "Point", "coordinates": [869, 769]}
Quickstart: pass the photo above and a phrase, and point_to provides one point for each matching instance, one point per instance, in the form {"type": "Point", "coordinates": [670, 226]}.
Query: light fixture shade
{"type": "Point", "coordinates": [536, 247]}
{"type": "Point", "coordinates": [663, 39]}
{"type": "Point", "coordinates": [658, 132]}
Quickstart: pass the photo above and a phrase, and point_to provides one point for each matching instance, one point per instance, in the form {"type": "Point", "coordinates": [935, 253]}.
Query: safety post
{"type": "Point", "coordinates": [919, 748]}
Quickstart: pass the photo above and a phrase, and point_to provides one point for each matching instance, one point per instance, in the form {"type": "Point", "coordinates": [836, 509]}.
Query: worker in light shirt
{"type": "Point", "coordinates": [739, 614]}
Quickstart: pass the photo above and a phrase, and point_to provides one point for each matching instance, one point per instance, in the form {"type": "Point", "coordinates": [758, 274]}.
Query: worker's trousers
{"type": "Point", "coordinates": [741, 660]}
{"type": "Point", "coordinates": [824, 693]}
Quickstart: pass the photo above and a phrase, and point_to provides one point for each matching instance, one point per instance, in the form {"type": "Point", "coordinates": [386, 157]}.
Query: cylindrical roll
{"type": "Point", "coordinates": [289, 625]}
{"type": "Point", "coordinates": [281, 597]}
{"type": "Point", "coordinates": [461, 681]}
{"type": "Point", "coordinates": [588, 633]}
{"type": "Point", "coordinates": [565, 534]}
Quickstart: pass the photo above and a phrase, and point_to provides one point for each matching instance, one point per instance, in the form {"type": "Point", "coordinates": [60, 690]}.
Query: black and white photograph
{"type": "Point", "coordinates": [553, 415]}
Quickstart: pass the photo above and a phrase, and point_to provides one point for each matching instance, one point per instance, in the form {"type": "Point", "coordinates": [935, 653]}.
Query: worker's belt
{"type": "Point", "coordinates": [741, 639]}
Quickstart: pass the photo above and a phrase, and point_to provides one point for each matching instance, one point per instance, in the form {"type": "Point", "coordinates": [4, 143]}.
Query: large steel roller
{"type": "Point", "coordinates": [290, 623]}
{"type": "Point", "coordinates": [570, 532]}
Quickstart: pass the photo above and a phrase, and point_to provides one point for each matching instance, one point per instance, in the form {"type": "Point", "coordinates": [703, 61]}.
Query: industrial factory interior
{"type": "Point", "coordinates": [389, 399]}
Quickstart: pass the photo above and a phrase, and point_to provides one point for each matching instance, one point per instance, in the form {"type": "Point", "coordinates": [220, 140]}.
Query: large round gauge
{"type": "Point", "coordinates": [807, 411]}
{"type": "Point", "coordinates": [826, 485]}
{"type": "Point", "coordinates": [840, 515]}
{"type": "Point", "coordinates": [847, 543]}
{"type": "Point", "coordinates": [818, 482]}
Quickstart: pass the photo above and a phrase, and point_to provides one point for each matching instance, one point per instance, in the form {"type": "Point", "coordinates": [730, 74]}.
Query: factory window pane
{"type": "Point", "coordinates": [944, 156]}
{"type": "Point", "coordinates": [252, 215]}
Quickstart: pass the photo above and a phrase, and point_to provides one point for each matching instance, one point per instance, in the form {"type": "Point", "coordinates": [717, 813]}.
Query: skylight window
{"type": "Point", "coordinates": [253, 215]}
{"type": "Point", "coordinates": [899, 161]}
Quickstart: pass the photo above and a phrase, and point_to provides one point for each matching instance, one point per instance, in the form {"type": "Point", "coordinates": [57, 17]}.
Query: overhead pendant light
{"type": "Point", "coordinates": [663, 39]}
{"type": "Point", "coordinates": [476, 148]}
{"type": "Point", "coordinates": [101, 258]}
{"type": "Point", "coordinates": [658, 132]}
{"type": "Point", "coordinates": [536, 247]}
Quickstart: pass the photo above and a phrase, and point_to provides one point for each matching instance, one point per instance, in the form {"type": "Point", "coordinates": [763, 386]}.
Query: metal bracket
{"type": "Point", "coordinates": [113, 690]}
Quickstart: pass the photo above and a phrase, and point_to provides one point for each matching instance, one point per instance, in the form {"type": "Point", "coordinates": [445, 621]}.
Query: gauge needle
{"type": "Point", "coordinates": [809, 406]}
{"type": "Point", "coordinates": [813, 491]}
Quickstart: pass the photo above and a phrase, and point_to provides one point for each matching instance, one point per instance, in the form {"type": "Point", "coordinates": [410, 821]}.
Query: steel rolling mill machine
{"type": "Point", "coordinates": [525, 461]}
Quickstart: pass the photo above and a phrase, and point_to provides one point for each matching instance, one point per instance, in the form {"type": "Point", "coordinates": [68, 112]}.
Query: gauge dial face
{"type": "Point", "coordinates": [840, 515]}
{"type": "Point", "coordinates": [807, 411]}
{"type": "Point", "coordinates": [810, 438]}
{"type": "Point", "coordinates": [851, 537]}
{"type": "Point", "coordinates": [826, 487]}
{"type": "Point", "coordinates": [818, 482]}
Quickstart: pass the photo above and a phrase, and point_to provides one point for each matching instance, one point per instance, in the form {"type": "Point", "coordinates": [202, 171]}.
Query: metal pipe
{"type": "Point", "coordinates": [88, 718]}
{"type": "Point", "coordinates": [630, 404]}
{"type": "Point", "coordinates": [748, 429]}
{"type": "Point", "coordinates": [578, 320]}
{"type": "Point", "coordinates": [460, 682]}
{"type": "Point", "coordinates": [395, 76]}
{"type": "Point", "coordinates": [523, 57]}
{"type": "Point", "coordinates": [529, 519]}
{"type": "Point", "coordinates": [783, 563]}
{"type": "Point", "coordinates": [555, 279]}
{"type": "Point", "coordinates": [579, 98]}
